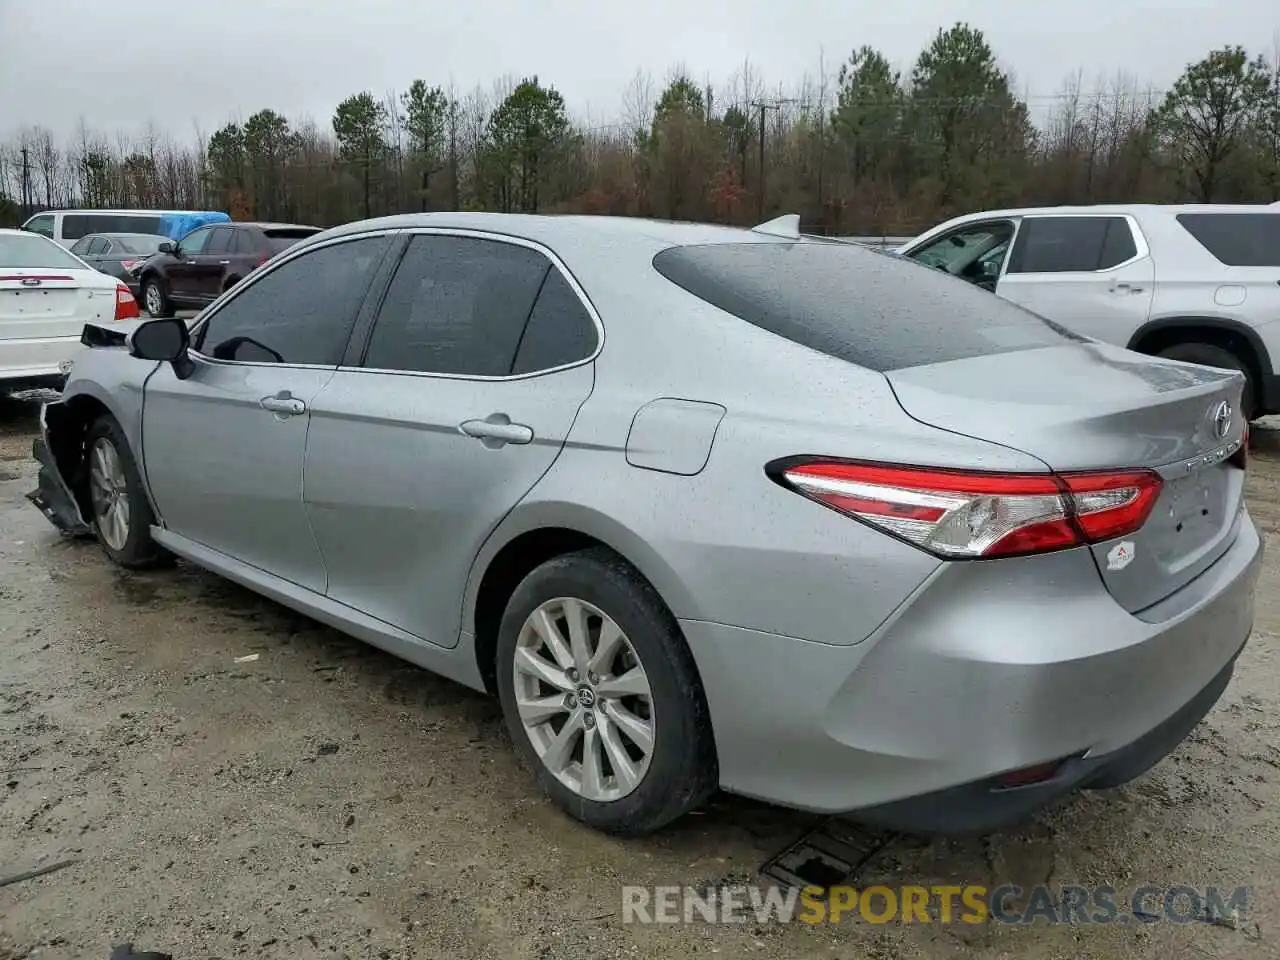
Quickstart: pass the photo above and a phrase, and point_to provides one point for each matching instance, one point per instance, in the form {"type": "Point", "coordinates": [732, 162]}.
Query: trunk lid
{"type": "Point", "coordinates": [42, 303]}
{"type": "Point", "coordinates": [1090, 406]}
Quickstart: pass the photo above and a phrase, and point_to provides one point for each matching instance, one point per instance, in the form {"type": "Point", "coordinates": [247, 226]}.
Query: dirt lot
{"type": "Point", "coordinates": [326, 800]}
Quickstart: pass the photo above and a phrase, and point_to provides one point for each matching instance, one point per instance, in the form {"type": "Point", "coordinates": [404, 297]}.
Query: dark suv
{"type": "Point", "coordinates": [209, 260]}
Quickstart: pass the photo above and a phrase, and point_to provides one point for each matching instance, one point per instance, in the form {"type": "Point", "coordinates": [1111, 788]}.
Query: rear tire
{"type": "Point", "coordinates": [119, 509]}
{"type": "Point", "coordinates": [1211, 355]}
{"type": "Point", "coordinates": [647, 692]}
{"type": "Point", "coordinates": [155, 300]}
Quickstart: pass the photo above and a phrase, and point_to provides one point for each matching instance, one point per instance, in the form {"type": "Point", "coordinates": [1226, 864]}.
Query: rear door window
{"type": "Point", "coordinates": [1237, 239]}
{"type": "Point", "coordinates": [1071, 244]}
{"type": "Point", "coordinates": [76, 225]}
{"type": "Point", "coordinates": [244, 243]}
{"type": "Point", "coordinates": [560, 331]}
{"type": "Point", "coordinates": [456, 305]}
{"type": "Point", "coordinates": [881, 313]}
{"type": "Point", "coordinates": [219, 241]}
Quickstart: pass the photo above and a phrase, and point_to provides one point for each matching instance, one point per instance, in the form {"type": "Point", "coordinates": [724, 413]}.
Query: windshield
{"type": "Point", "coordinates": [18, 250]}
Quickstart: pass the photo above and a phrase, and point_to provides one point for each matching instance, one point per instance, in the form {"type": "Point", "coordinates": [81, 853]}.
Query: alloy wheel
{"type": "Point", "coordinates": [108, 489]}
{"type": "Point", "coordinates": [154, 302]}
{"type": "Point", "coordinates": [584, 700]}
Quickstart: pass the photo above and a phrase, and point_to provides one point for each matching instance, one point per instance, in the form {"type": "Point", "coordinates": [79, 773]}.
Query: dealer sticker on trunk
{"type": "Point", "coordinates": [1120, 556]}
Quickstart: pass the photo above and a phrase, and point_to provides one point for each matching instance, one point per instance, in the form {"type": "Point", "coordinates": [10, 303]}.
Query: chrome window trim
{"type": "Point", "coordinates": [556, 263]}
{"type": "Point", "coordinates": [1139, 242]}
{"type": "Point", "coordinates": [257, 276]}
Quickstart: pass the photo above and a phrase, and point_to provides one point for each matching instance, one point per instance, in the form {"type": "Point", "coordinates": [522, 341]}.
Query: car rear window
{"type": "Point", "coordinates": [284, 239]}
{"type": "Point", "coordinates": [882, 313]}
{"type": "Point", "coordinates": [32, 251]}
{"type": "Point", "coordinates": [1237, 239]}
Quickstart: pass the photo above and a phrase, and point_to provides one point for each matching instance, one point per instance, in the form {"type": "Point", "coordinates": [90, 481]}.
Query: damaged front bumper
{"type": "Point", "coordinates": [53, 496]}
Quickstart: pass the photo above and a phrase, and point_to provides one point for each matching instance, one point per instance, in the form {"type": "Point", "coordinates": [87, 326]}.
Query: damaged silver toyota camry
{"type": "Point", "coordinates": [704, 507]}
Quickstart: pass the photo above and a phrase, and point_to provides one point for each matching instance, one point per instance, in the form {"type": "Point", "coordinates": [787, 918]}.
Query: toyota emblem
{"type": "Point", "coordinates": [1222, 420]}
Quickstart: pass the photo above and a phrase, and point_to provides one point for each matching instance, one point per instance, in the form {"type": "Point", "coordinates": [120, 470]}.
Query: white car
{"type": "Point", "coordinates": [47, 295]}
{"type": "Point", "coordinates": [1191, 282]}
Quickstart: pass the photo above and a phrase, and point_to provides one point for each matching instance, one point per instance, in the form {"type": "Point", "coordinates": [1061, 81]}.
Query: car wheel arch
{"type": "Point", "coordinates": [522, 544]}
{"type": "Point", "coordinates": [69, 422]}
{"type": "Point", "coordinates": [1232, 335]}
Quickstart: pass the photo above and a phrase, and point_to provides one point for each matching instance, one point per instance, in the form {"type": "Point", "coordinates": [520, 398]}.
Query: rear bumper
{"type": "Point", "coordinates": [988, 805]}
{"type": "Point", "coordinates": [989, 668]}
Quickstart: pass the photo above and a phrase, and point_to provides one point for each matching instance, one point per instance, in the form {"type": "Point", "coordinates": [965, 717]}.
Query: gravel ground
{"type": "Point", "coordinates": [326, 800]}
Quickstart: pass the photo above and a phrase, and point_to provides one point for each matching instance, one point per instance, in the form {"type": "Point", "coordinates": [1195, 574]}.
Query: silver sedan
{"type": "Point", "coordinates": [704, 507]}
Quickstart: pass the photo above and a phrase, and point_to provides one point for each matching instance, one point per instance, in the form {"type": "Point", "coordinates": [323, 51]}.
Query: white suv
{"type": "Point", "coordinates": [1199, 283]}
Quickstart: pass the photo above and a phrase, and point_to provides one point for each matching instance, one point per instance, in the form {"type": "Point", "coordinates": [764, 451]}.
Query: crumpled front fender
{"type": "Point", "coordinates": [53, 494]}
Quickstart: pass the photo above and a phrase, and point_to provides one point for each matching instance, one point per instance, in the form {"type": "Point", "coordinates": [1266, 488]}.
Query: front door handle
{"type": "Point", "coordinates": [496, 430]}
{"type": "Point", "coordinates": [283, 404]}
{"type": "Point", "coordinates": [1123, 287]}
{"type": "Point", "coordinates": [224, 262]}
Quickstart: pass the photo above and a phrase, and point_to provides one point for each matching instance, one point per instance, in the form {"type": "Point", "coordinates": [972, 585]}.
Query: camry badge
{"type": "Point", "coordinates": [1222, 420]}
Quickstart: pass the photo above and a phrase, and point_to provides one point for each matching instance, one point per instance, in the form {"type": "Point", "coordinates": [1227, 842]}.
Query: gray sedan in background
{"type": "Point", "coordinates": [704, 507]}
{"type": "Point", "coordinates": [118, 254]}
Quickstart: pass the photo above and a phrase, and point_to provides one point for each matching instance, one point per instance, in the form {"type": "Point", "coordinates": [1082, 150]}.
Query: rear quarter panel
{"type": "Point", "coordinates": [728, 544]}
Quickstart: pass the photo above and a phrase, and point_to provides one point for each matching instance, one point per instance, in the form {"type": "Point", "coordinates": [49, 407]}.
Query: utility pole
{"type": "Point", "coordinates": [26, 182]}
{"type": "Point", "coordinates": [762, 106]}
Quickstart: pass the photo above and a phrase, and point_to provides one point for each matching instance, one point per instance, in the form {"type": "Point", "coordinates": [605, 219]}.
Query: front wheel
{"type": "Point", "coordinates": [122, 515]}
{"type": "Point", "coordinates": [154, 300]}
{"type": "Point", "coordinates": [602, 697]}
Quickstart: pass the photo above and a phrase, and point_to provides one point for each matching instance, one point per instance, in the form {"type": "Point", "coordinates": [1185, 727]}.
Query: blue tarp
{"type": "Point", "coordinates": [178, 224]}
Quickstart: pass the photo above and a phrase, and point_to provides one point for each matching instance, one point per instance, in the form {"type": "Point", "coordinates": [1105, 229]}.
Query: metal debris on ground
{"type": "Point", "coordinates": [829, 855]}
{"type": "Point", "coordinates": [37, 872]}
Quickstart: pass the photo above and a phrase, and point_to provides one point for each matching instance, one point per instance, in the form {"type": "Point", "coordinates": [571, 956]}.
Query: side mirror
{"type": "Point", "coordinates": [168, 247]}
{"type": "Point", "coordinates": [167, 340]}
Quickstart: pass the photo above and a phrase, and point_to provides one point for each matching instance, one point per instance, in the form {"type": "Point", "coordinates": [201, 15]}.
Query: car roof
{"type": "Point", "coordinates": [266, 225]}
{"type": "Point", "coordinates": [1102, 209]}
{"type": "Point", "coordinates": [555, 230]}
{"type": "Point", "coordinates": [124, 236]}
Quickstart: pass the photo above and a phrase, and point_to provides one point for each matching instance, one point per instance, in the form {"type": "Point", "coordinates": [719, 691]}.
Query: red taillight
{"type": "Point", "coordinates": [126, 306]}
{"type": "Point", "coordinates": [263, 258]}
{"type": "Point", "coordinates": [957, 514]}
{"type": "Point", "coordinates": [130, 264]}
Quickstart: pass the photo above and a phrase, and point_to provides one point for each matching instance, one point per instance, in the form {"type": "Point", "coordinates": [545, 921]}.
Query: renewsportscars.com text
{"type": "Point", "coordinates": [971, 904]}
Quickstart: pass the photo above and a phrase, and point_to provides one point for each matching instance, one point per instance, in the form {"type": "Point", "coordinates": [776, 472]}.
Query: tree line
{"type": "Point", "coordinates": [868, 150]}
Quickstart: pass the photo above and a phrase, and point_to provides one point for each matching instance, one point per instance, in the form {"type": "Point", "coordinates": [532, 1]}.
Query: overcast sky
{"type": "Point", "coordinates": [179, 63]}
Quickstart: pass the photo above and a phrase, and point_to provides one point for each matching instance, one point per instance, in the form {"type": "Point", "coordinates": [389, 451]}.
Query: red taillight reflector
{"type": "Point", "coordinates": [965, 514]}
{"type": "Point", "coordinates": [40, 278]}
{"type": "Point", "coordinates": [1029, 775]}
{"type": "Point", "coordinates": [126, 306]}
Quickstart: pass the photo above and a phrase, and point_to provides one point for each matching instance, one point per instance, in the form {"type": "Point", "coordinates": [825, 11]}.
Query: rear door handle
{"type": "Point", "coordinates": [283, 404]}
{"type": "Point", "coordinates": [1123, 287]}
{"type": "Point", "coordinates": [224, 262]}
{"type": "Point", "coordinates": [496, 430]}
